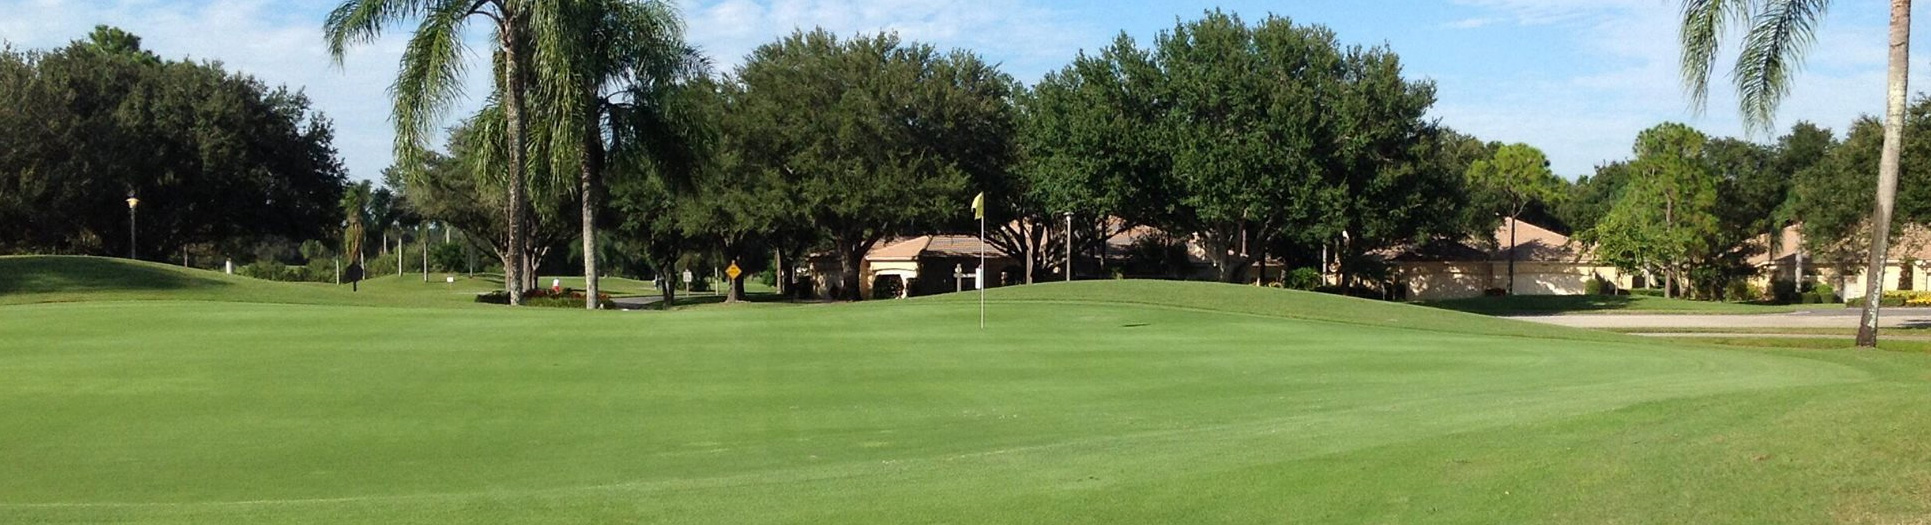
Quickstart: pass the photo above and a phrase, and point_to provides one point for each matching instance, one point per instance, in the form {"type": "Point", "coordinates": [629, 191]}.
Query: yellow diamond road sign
{"type": "Point", "coordinates": [733, 271]}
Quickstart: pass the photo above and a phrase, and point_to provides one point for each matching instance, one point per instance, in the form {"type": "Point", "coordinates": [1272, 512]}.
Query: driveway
{"type": "Point", "coordinates": [1826, 318]}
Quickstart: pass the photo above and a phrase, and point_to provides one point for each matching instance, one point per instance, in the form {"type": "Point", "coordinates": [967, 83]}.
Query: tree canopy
{"type": "Point", "coordinates": [873, 136]}
{"type": "Point", "coordinates": [217, 159]}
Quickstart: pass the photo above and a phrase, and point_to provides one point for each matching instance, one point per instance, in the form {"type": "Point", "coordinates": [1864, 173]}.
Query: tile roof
{"type": "Point", "coordinates": [900, 250]}
{"type": "Point", "coordinates": [932, 246]}
{"type": "Point", "coordinates": [1532, 244]}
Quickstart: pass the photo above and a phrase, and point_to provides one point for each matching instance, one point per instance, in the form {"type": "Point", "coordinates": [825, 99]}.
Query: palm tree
{"type": "Point", "coordinates": [620, 62]}
{"type": "Point", "coordinates": [355, 210]}
{"type": "Point", "coordinates": [428, 82]}
{"type": "Point", "coordinates": [1780, 31]}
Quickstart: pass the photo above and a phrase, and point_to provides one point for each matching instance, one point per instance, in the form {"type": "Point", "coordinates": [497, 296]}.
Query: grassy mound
{"type": "Point", "coordinates": [60, 279]}
{"type": "Point", "coordinates": [1103, 402]}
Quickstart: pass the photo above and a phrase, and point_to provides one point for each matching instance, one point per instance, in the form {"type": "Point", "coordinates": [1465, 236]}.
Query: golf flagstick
{"type": "Point", "coordinates": [979, 210]}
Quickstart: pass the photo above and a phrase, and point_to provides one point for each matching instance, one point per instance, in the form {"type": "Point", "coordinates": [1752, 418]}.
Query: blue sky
{"type": "Point", "coordinates": [1577, 78]}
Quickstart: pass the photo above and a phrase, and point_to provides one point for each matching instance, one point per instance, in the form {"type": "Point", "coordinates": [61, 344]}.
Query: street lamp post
{"type": "Point", "coordinates": [132, 202]}
{"type": "Point", "coordinates": [1069, 246]}
{"type": "Point", "coordinates": [429, 228]}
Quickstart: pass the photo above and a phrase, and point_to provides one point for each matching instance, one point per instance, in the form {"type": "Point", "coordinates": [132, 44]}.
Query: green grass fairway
{"type": "Point", "coordinates": [1610, 304]}
{"type": "Point", "coordinates": [1092, 402]}
{"type": "Point", "coordinates": [47, 279]}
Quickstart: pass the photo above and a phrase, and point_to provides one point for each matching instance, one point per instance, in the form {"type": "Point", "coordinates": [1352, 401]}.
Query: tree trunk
{"type": "Point", "coordinates": [514, 210]}
{"type": "Point", "coordinates": [1032, 252]}
{"type": "Point", "coordinates": [1798, 280]}
{"type": "Point", "coordinates": [852, 257]}
{"type": "Point", "coordinates": [777, 269]}
{"type": "Point", "coordinates": [1887, 168]}
{"type": "Point", "coordinates": [735, 291]}
{"type": "Point", "coordinates": [591, 164]}
{"type": "Point", "coordinates": [1260, 277]}
{"type": "Point", "coordinates": [1511, 253]}
{"type": "Point", "coordinates": [1669, 225]}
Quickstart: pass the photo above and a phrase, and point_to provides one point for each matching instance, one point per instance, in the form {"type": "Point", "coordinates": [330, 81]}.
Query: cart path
{"type": "Point", "coordinates": [1719, 335]}
{"type": "Point", "coordinates": [1830, 318]}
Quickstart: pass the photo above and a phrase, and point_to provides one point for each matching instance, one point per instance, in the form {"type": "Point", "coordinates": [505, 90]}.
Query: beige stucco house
{"type": "Point", "coordinates": [1908, 268]}
{"type": "Point", "coordinates": [922, 265]}
{"type": "Point", "coordinates": [1546, 263]}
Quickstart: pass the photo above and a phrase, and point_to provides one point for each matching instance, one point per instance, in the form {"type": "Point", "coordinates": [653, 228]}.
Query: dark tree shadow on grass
{"type": "Point", "coordinates": [88, 274]}
{"type": "Point", "coordinates": [1535, 304]}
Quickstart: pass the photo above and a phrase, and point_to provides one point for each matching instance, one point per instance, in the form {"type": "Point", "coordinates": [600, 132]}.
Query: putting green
{"type": "Point", "coordinates": [1093, 402]}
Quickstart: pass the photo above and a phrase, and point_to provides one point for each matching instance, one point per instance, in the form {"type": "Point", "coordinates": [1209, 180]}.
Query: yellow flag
{"type": "Point", "coordinates": [979, 206]}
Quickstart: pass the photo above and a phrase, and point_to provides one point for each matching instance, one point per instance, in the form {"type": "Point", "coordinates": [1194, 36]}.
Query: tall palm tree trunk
{"type": "Point", "coordinates": [1887, 169]}
{"type": "Point", "coordinates": [513, 93]}
{"type": "Point", "coordinates": [591, 164]}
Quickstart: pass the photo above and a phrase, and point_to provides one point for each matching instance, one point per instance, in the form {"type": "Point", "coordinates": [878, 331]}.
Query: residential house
{"type": "Point", "coordinates": [922, 265]}
{"type": "Point", "coordinates": [1546, 263]}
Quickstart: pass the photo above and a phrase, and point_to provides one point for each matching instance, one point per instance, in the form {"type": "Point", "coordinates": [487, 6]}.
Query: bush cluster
{"type": "Point", "coordinates": [319, 271]}
{"type": "Point", "coordinates": [565, 298]}
{"type": "Point", "coordinates": [1742, 291]}
{"type": "Point", "coordinates": [1893, 299]}
{"type": "Point", "coordinates": [1302, 279]}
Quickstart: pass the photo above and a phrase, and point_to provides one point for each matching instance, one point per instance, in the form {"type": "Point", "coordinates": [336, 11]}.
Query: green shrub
{"type": "Point", "coordinates": [1741, 291]}
{"type": "Point", "coordinates": [322, 271]}
{"type": "Point", "coordinates": [270, 270]}
{"type": "Point", "coordinates": [1825, 290]}
{"type": "Point", "coordinates": [1595, 286]}
{"type": "Point", "coordinates": [1302, 279]}
{"type": "Point", "coordinates": [1785, 292]}
{"type": "Point", "coordinates": [1646, 292]}
{"type": "Point", "coordinates": [544, 297]}
{"type": "Point", "coordinates": [1893, 299]}
{"type": "Point", "coordinates": [448, 257]}
{"type": "Point", "coordinates": [379, 266]}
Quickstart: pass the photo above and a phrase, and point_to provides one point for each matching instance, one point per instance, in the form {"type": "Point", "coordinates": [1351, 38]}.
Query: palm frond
{"type": "Point", "coordinates": [1773, 51]}
{"type": "Point", "coordinates": [429, 79]}
{"type": "Point", "coordinates": [1701, 36]}
{"type": "Point", "coordinates": [597, 62]}
{"type": "Point", "coordinates": [362, 21]}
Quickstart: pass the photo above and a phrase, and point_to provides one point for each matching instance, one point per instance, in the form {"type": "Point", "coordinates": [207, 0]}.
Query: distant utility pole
{"type": "Point", "coordinates": [1069, 246]}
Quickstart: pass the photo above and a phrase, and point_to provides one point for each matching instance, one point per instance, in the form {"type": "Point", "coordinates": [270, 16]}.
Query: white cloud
{"type": "Point", "coordinates": [1626, 78]}
{"type": "Point", "coordinates": [1472, 23]}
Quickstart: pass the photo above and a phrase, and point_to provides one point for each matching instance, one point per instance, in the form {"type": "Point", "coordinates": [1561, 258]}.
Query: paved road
{"type": "Point", "coordinates": [1892, 337]}
{"type": "Point", "coordinates": [1829, 318]}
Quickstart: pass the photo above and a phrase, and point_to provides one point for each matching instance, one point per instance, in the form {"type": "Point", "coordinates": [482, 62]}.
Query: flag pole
{"type": "Point", "coordinates": [979, 279]}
